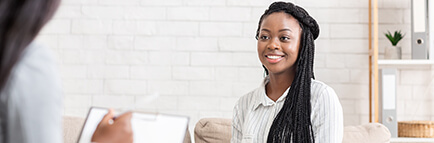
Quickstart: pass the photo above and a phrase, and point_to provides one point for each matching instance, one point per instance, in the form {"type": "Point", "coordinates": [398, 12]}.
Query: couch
{"type": "Point", "coordinates": [218, 130]}
{"type": "Point", "coordinates": [72, 128]}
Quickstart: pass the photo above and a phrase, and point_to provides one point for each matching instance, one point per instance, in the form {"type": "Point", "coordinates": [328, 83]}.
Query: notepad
{"type": "Point", "coordinates": [147, 127]}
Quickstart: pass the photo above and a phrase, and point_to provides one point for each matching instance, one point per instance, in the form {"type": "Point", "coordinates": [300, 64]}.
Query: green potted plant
{"type": "Point", "coordinates": [394, 51]}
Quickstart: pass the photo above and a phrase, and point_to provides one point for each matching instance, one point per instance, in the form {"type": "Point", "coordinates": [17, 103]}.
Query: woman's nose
{"type": "Point", "coordinates": [274, 44]}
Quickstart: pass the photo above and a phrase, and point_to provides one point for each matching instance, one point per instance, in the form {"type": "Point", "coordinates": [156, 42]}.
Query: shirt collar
{"type": "Point", "coordinates": [262, 98]}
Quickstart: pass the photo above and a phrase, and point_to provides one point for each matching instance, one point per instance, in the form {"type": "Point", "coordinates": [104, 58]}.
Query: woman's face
{"type": "Point", "coordinates": [278, 42]}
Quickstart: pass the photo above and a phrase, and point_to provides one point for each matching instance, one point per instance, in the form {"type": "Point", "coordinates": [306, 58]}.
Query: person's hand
{"type": "Point", "coordinates": [114, 130]}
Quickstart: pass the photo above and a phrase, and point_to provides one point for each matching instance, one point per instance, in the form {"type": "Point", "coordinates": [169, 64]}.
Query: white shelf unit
{"type": "Point", "coordinates": [412, 140]}
{"type": "Point", "coordinates": [407, 64]}
{"type": "Point", "coordinates": [376, 64]}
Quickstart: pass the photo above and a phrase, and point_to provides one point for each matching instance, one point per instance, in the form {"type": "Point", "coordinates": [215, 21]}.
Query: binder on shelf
{"type": "Point", "coordinates": [420, 29]}
{"type": "Point", "coordinates": [388, 100]}
{"type": "Point", "coordinates": [431, 30]}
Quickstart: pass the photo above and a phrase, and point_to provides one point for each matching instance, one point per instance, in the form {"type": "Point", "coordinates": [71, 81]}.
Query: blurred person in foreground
{"type": "Point", "coordinates": [30, 87]}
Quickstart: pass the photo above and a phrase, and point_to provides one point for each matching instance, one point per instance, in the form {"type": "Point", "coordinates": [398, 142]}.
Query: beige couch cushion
{"type": "Point", "coordinates": [217, 130]}
{"type": "Point", "coordinates": [213, 130]}
{"type": "Point", "coordinates": [71, 128]}
{"type": "Point", "coordinates": [367, 133]}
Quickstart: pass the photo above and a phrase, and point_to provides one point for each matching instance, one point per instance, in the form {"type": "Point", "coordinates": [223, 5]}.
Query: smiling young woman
{"type": "Point", "coordinates": [290, 105]}
{"type": "Point", "coordinates": [279, 39]}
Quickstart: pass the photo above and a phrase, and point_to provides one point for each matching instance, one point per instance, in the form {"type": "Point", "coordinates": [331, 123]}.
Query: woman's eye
{"type": "Point", "coordinates": [265, 37]}
{"type": "Point", "coordinates": [284, 38]}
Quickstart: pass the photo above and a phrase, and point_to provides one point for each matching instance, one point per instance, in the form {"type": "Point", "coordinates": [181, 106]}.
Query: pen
{"type": "Point", "coordinates": [121, 113]}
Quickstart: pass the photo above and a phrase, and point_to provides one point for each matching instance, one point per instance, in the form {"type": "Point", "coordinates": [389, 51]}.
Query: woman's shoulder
{"type": "Point", "coordinates": [37, 54]}
{"type": "Point", "coordinates": [318, 86]}
{"type": "Point", "coordinates": [320, 90]}
{"type": "Point", "coordinates": [35, 70]}
{"type": "Point", "coordinates": [250, 97]}
{"type": "Point", "coordinates": [36, 61]}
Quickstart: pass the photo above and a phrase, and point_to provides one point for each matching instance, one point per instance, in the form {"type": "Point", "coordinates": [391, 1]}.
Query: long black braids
{"type": "Point", "coordinates": [293, 122]}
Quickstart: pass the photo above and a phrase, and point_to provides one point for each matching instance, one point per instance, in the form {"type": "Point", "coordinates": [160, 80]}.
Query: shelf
{"type": "Point", "coordinates": [412, 140]}
{"type": "Point", "coordinates": [405, 62]}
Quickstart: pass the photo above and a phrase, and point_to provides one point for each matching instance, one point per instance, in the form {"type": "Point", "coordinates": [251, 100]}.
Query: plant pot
{"type": "Point", "coordinates": [392, 52]}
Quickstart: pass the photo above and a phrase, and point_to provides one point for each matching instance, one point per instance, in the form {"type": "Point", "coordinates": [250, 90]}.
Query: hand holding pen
{"type": "Point", "coordinates": [114, 129]}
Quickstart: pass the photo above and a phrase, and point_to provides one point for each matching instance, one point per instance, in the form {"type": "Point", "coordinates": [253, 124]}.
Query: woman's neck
{"type": "Point", "coordinates": [278, 84]}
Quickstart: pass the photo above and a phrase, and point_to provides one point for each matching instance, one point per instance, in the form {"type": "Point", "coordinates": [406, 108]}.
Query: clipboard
{"type": "Point", "coordinates": [147, 127]}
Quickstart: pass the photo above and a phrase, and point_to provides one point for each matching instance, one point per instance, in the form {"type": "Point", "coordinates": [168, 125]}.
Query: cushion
{"type": "Point", "coordinates": [218, 130]}
{"type": "Point", "coordinates": [187, 138]}
{"type": "Point", "coordinates": [213, 130]}
{"type": "Point", "coordinates": [367, 133]}
{"type": "Point", "coordinates": [72, 128]}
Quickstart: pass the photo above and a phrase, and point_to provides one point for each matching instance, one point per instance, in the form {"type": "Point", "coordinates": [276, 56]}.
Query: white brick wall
{"type": "Point", "coordinates": [135, 87]}
{"type": "Point", "coordinates": [188, 13]}
{"type": "Point", "coordinates": [94, 26]}
{"type": "Point", "coordinates": [221, 29]}
{"type": "Point", "coordinates": [200, 55]}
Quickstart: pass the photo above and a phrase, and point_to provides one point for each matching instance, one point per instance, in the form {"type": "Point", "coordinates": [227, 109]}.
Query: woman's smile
{"type": "Point", "coordinates": [273, 58]}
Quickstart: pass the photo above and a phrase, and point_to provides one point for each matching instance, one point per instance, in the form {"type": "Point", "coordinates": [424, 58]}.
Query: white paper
{"type": "Point", "coordinates": [94, 116]}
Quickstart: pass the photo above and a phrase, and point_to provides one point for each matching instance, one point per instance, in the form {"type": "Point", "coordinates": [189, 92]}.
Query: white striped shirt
{"type": "Point", "coordinates": [254, 114]}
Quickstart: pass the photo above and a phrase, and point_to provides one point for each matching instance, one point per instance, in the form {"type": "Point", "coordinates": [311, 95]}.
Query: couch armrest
{"type": "Point", "coordinates": [367, 133]}
{"type": "Point", "coordinates": [212, 130]}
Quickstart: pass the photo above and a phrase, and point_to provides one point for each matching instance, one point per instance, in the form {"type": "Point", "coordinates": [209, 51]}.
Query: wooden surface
{"type": "Point", "coordinates": [370, 61]}
{"type": "Point", "coordinates": [411, 140]}
{"type": "Point", "coordinates": [375, 60]}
